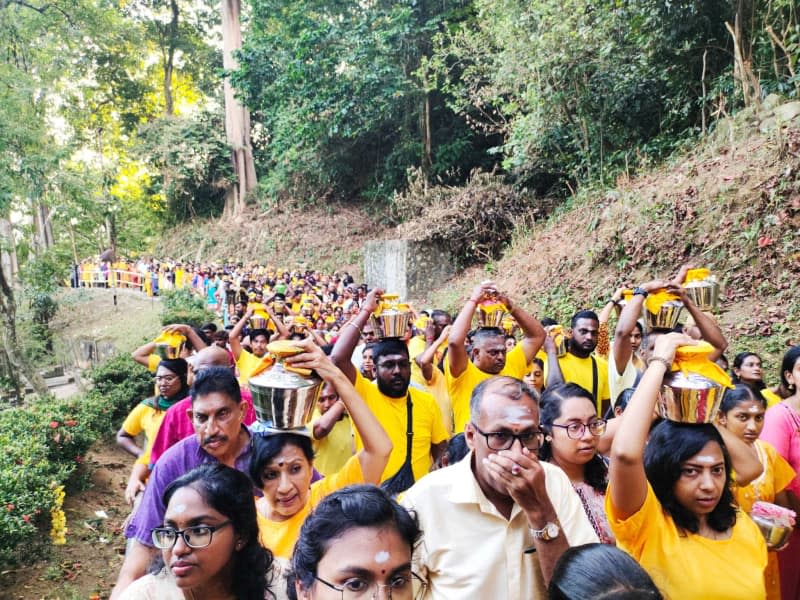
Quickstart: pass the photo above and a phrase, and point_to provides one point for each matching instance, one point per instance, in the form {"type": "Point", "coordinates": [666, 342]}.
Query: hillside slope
{"type": "Point", "coordinates": [732, 204]}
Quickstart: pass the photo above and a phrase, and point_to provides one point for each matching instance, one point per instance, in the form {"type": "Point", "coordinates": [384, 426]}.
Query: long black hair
{"type": "Point", "coordinates": [230, 492]}
{"type": "Point", "coordinates": [600, 571]}
{"type": "Point", "coordinates": [595, 471]}
{"type": "Point", "coordinates": [738, 360]}
{"type": "Point", "coordinates": [669, 446]}
{"type": "Point", "coordinates": [345, 509]}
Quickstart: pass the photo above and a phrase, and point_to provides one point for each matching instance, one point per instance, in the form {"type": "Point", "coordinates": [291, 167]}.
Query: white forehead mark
{"type": "Point", "coordinates": [180, 508]}
{"type": "Point", "coordinates": [516, 413]}
{"type": "Point", "coordinates": [381, 557]}
{"type": "Point", "coordinates": [706, 460]}
{"type": "Point", "coordinates": [754, 409]}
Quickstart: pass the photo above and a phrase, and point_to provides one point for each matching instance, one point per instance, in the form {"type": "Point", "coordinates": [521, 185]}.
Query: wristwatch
{"type": "Point", "coordinates": [638, 291]}
{"type": "Point", "coordinates": [548, 532]}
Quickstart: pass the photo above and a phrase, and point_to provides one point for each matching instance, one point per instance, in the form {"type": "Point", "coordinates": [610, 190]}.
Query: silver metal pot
{"type": "Point", "coordinates": [705, 293]}
{"type": "Point", "coordinates": [390, 323]}
{"type": "Point", "coordinates": [282, 399]}
{"type": "Point", "coordinates": [167, 351]}
{"type": "Point", "coordinates": [775, 535]}
{"type": "Point", "coordinates": [666, 317]}
{"type": "Point", "coordinates": [492, 318]}
{"type": "Point", "coordinates": [689, 398]}
{"type": "Point", "coordinates": [258, 322]}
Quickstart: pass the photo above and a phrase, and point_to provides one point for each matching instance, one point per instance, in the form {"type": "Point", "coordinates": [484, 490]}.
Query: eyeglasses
{"type": "Point", "coordinates": [503, 440]}
{"type": "Point", "coordinates": [198, 536]}
{"type": "Point", "coordinates": [400, 587]}
{"type": "Point", "coordinates": [575, 431]}
{"type": "Point", "coordinates": [166, 378]}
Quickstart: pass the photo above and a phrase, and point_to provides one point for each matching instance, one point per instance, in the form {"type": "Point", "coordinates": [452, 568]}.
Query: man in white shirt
{"type": "Point", "coordinates": [496, 522]}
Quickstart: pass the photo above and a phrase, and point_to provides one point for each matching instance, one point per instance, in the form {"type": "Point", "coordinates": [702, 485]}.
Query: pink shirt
{"type": "Point", "coordinates": [782, 430]}
{"type": "Point", "coordinates": [177, 425]}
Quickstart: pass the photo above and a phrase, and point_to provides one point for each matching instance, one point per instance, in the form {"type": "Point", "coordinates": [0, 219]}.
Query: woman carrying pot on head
{"type": "Point", "coordinates": [357, 542]}
{"type": "Point", "coordinates": [782, 430]}
{"type": "Point", "coordinates": [746, 368]}
{"type": "Point", "coordinates": [572, 430]}
{"type": "Point", "coordinates": [209, 541]}
{"type": "Point", "coordinates": [172, 386]}
{"type": "Point", "coordinates": [282, 462]}
{"type": "Point", "coordinates": [669, 503]}
{"type": "Point", "coordinates": [742, 413]}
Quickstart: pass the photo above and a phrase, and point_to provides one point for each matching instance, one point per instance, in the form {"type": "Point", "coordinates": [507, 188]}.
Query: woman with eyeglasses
{"type": "Point", "coordinates": [356, 543]}
{"type": "Point", "coordinates": [209, 541]}
{"type": "Point", "coordinates": [572, 429]}
{"type": "Point", "coordinates": [282, 462]}
{"type": "Point", "coordinates": [172, 386]}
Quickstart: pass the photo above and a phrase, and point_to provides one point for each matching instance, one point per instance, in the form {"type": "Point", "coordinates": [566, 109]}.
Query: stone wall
{"type": "Point", "coordinates": [405, 267]}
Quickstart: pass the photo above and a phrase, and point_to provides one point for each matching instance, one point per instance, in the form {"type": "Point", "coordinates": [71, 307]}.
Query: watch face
{"type": "Point", "coordinates": [551, 530]}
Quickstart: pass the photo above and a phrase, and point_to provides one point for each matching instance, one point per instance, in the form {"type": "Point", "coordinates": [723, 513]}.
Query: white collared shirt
{"type": "Point", "coordinates": [470, 550]}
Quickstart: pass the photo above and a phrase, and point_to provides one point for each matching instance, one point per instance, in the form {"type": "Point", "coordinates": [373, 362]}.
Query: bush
{"type": "Point", "coordinates": [45, 442]}
{"type": "Point", "coordinates": [182, 306]}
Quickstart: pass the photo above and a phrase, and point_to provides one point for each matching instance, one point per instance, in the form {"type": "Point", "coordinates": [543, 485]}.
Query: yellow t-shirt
{"type": "Point", "coordinates": [144, 419]}
{"type": "Point", "coordinates": [249, 365]}
{"type": "Point", "coordinates": [460, 388]}
{"type": "Point", "coordinates": [392, 415]}
{"type": "Point", "coordinates": [688, 566]}
{"type": "Point", "coordinates": [771, 397]}
{"type": "Point", "coordinates": [335, 449]}
{"type": "Point", "coordinates": [579, 370]}
{"type": "Point", "coordinates": [281, 536]}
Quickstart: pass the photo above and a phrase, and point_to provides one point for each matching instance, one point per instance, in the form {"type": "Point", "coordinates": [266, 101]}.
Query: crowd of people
{"type": "Point", "coordinates": [490, 454]}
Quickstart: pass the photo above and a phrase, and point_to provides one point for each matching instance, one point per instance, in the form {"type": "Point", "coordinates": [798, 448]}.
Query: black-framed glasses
{"type": "Point", "coordinates": [576, 430]}
{"type": "Point", "coordinates": [166, 378]}
{"type": "Point", "coordinates": [503, 440]}
{"type": "Point", "coordinates": [198, 536]}
{"type": "Point", "coordinates": [400, 587]}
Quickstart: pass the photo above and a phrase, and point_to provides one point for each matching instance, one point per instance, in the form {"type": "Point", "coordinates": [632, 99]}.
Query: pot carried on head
{"type": "Point", "coordinates": [693, 391]}
{"type": "Point", "coordinates": [490, 313]}
{"type": "Point", "coordinates": [169, 344]}
{"type": "Point", "coordinates": [284, 396]}
{"type": "Point", "coordinates": [259, 321]}
{"type": "Point", "coordinates": [702, 288]}
{"type": "Point", "coordinates": [391, 319]}
{"type": "Point", "coordinates": [661, 310]}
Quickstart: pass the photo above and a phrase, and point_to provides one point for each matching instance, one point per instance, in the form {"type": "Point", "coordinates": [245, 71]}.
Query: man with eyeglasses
{"type": "Point", "coordinates": [217, 413]}
{"type": "Point", "coordinates": [496, 522]}
{"type": "Point", "coordinates": [390, 396]}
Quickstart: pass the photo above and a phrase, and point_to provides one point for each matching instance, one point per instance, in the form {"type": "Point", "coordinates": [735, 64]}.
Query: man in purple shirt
{"type": "Point", "coordinates": [217, 414]}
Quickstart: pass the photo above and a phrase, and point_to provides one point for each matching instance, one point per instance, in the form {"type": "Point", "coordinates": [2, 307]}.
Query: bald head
{"type": "Point", "coordinates": [210, 356]}
{"type": "Point", "coordinates": [510, 388]}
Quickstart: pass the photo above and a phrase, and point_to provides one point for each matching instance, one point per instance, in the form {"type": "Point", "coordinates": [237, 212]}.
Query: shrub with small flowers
{"type": "Point", "coordinates": [44, 442]}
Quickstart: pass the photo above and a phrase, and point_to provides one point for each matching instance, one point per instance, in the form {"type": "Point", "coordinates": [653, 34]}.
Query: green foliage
{"type": "Point", "coordinates": [335, 87]}
{"type": "Point", "coordinates": [194, 161]}
{"type": "Point", "coordinates": [182, 306]}
{"type": "Point", "coordinates": [45, 442]}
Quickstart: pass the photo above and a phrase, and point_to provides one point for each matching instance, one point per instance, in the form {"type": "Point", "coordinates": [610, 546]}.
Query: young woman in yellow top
{"type": "Point", "coordinates": [669, 503]}
{"type": "Point", "coordinates": [742, 413]}
{"type": "Point", "coordinates": [282, 463]}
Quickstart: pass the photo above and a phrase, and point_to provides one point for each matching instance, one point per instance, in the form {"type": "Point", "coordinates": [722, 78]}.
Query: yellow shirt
{"type": "Point", "coordinates": [579, 370]}
{"type": "Point", "coordinates": [393, 417]}
{"type": "Point", "coordinates": [460, 388]}
{"type": "Point", "coordinates": [688, 566]}
{"type": "Point", "coordinates": [249, 365]}
{"type": "Point", "coordinates": [280, 536]}
{"type": "Point", "coordinates": [335, 449]}
{"type": "Point", "coordinates": [144, 419]}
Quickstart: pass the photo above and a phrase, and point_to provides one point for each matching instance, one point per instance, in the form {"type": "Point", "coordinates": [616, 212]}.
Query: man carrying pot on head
{"type": "Point", "coordinates": [488, 356]}
{"type": "Point", "coordinates": [250, 364]}
{"type": "Point", "coordinates": [400, 409]}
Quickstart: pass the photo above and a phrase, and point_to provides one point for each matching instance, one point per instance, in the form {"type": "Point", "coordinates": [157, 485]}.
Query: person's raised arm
{"type": "Point", "coordinates": [626, 475]}
{"type": "Point", "coordinates": [626, 323]}
{"type": "Point", "coordinates": [533, 333]}
{"type": "Point", "coordinates": [325, 424]}
{"type": "Point", "coordinates": [554, 375]}
{"type": "Point", "coordinates": [281, 329]}
{"type": "Point", "coordinates": [456, 351]}
{"type": "Point", "coordinates": [705, 323]}
{"type": "Point", "coordinates": [350, 335]}
{"type": "Point", "coordinates": [377, 445]}
{"type": "Point", "coordinates": [425, 359]}
{"type": "Point", "coordinates": [142, 354]}
{"type": "Point", "coordinates": [234, 336]}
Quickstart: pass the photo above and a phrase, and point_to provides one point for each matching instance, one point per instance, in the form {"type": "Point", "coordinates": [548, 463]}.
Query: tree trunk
{"type": "Point", "coordinates": [8, 250]}
{"type": "Point", "coordinates": [12, 350]}
{"type": "Point", "coordinates": [237, 117]}
{"type": "Point", "coordinates": [169, 57]}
